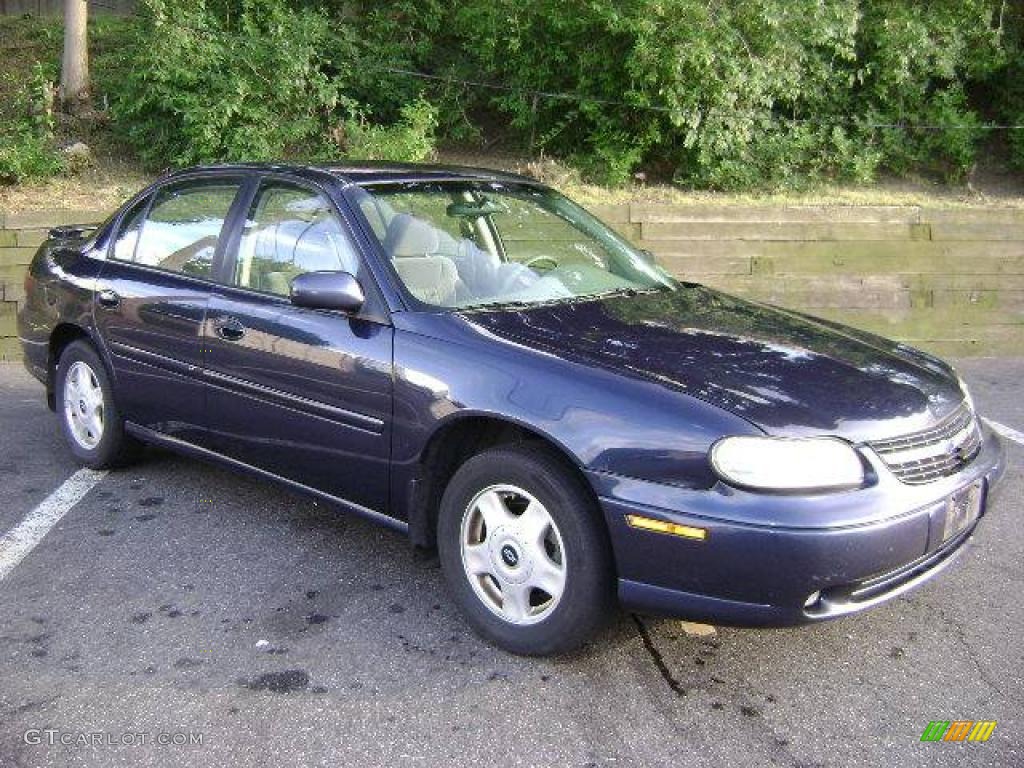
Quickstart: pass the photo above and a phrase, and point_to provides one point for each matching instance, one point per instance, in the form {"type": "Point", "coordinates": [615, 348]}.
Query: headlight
{"type": "Point", "coordinates": [783, 464]}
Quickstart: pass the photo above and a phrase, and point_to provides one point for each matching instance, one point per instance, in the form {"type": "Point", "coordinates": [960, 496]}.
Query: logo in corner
{"type": "Point", "coordinates": [958, 730]}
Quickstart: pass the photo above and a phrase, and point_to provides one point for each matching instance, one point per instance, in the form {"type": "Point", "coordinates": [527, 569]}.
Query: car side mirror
{"type": "Point", "coordinates": [648, 256]}
{"type": "Point", "coordinates": [328, 290]}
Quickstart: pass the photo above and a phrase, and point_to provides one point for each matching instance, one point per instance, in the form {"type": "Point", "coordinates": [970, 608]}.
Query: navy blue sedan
{"type": "Point", "coordinates": [471, 358]}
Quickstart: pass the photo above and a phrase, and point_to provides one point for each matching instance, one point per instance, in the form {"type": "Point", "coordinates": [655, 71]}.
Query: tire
{"type": "Point", "coordinates": [89, 418]}
{"type": "Point", "coordinates": [498, 553]}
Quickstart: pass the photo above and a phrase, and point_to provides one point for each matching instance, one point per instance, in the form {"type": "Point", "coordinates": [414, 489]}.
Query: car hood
{"type": "Point", "coordinates": [785, 372]}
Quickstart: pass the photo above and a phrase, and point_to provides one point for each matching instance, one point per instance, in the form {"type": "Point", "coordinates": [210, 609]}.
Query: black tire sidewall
{"type": "Point", "coordinates": [588, 598]}
{"type": "Point", "coordinates": [109, 450]}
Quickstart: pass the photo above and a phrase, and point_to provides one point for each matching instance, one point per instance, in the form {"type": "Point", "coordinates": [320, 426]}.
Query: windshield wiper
{"type": "Point", "coordinates": [500, 305]}
{"type": "Point", "coordinates": [618, 292]}
{"type": "Point", "coordinates": [518, 304]}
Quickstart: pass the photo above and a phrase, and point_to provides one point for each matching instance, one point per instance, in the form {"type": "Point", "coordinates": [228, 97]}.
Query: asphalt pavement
{"type": "Point", "coordinates": [180, 614]}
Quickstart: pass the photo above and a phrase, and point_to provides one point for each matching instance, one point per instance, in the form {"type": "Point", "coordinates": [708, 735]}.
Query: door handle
{"type": "Point", "coordinates": [230, 329]}
{"type": "Point", "coordinates": [108, 299]}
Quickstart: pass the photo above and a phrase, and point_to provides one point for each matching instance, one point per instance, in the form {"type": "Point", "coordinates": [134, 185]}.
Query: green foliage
{"type": "Point", "coordinates": [206, 80]}
{"type": "Point", "coordinates": [1007, 86]}
{"type": "Point", "coordinates": [25, 156]}
{"type": "Point", "coordinates": [410, 139]}
{"type": "Point", "coordinates": [720, 95]}
{"type": "Point", "coordinates": [27, 149]}
{"type": "Point", "coordinates": [396, 35]}
{"type": "Point", "coordinates": [917, 68]}
{"type": "Point", "coordinates": [575, 49]}
{"type": "Point", "coordinates": [30, 128]}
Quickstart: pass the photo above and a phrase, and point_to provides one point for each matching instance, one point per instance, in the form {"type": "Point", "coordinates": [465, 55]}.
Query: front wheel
{"type": "Point", "coordinates": [524, 552]}
{"type": "Point", "coordinates": [92, 424]}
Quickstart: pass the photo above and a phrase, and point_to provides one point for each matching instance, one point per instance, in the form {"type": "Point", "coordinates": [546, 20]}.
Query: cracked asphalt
{"type": "Point", "coordinates": [179, 600]}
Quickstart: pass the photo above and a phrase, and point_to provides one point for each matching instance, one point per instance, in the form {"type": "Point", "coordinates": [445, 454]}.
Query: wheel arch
{"type": "Point", "coordinates": [62, 336]}
{"type": "Point", "coordinates": [457, 439]}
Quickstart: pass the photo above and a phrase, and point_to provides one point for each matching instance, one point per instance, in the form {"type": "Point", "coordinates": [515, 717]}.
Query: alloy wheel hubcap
{"type": "Point", "coordinates": [83, 405]}
{"type": "Point", "coordinates": [512, 554]}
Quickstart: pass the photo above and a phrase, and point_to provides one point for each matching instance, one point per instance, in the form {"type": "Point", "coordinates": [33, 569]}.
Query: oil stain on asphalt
{"type": "Point", "coordinates": [288, 681]}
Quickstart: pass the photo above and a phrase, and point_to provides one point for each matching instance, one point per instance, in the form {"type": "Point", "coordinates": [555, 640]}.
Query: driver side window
{"type": "Point", "coordinates": [290, 230]}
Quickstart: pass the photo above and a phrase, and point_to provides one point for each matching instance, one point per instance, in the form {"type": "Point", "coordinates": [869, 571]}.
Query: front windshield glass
{"type": "Point", "coordinates": [482, 244]}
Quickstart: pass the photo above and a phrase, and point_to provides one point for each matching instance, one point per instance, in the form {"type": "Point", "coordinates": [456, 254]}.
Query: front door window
{"type": "Point", "coordinates": [290, 230]}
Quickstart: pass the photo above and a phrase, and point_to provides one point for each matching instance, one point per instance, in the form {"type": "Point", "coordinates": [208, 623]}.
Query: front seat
{"type": "Point", "coordinates": [412, 246]}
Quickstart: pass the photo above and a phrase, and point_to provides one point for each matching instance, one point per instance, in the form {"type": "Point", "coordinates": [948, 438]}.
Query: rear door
{"type": "Point", "coordinates": [152, 296]}
{"type": "Point", "coordinates": [304, 394]}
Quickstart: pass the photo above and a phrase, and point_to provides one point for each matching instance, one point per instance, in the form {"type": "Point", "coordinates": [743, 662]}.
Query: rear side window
{"type": "Point", "coordinates": [181, 231]}
{"type": "Point", "coordinates": [290, 230]}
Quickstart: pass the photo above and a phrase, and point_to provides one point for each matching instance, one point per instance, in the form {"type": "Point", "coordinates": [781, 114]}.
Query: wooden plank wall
{"type": "Point", "coordinates": [948, 280]}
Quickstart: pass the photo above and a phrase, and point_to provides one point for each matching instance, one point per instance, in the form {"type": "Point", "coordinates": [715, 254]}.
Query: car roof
{"type": "Point", "coordinates": [371, 173]}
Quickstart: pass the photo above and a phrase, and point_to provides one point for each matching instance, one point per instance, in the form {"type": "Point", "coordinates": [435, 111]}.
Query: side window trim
{"type": "Point", "coordinates": [146, 210]}
{"type": "Point", "coordinates": [227, 249]}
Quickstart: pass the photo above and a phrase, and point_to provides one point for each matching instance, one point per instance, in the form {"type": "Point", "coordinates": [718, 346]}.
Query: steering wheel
{"type": "Point", "coordinates": [550, 260]}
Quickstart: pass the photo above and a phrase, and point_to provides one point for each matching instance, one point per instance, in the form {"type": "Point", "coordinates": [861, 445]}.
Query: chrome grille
{"type": "Point", "coordinates": [944, 449]}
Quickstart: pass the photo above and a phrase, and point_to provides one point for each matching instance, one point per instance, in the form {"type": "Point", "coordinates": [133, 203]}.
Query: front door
{"type": "Point", "coordinates": [151, 299]}
{"type": "Point", "coordinates": [302, 393]}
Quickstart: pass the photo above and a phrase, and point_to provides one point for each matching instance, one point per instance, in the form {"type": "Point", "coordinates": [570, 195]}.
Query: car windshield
{"type": "Point", "coordinates": [486, 244]}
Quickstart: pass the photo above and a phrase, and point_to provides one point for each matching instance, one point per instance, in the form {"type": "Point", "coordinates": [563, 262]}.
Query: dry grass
{"type": "Point", "coordinates": [988, 187]}
{"type": "Point", "coordinates": [883, 194]}
{"type": "Point", "coordinates": [101, 188]}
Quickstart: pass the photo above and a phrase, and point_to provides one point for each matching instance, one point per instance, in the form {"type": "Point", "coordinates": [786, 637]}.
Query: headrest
{"type": "Point", "coordinates": [409, 236]}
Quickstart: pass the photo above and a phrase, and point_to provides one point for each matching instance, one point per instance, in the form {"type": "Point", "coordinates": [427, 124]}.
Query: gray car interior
{"type": "Point", "coordinates": [440, 269]}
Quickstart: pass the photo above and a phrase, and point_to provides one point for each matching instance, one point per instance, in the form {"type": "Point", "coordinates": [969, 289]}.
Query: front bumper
{"type": "Point", "coordinates": [764, 555]}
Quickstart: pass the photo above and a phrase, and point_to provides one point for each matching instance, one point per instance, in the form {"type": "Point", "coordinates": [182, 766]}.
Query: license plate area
{"type": "Point", "coordinates": [963, 508]}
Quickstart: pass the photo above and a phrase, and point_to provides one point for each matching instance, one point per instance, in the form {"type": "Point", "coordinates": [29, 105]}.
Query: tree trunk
{"type": "Point", "coordinates": [74, 71]}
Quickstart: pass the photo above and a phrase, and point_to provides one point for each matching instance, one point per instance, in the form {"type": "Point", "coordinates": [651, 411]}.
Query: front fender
{"type": "Point", "coordinates": [447, 369]}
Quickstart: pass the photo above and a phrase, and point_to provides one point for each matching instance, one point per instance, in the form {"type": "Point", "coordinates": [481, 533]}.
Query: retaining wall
{"type": "Point", "coordinates": [948, 280]}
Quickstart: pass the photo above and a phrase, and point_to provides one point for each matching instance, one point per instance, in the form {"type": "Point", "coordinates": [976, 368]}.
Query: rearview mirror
{"type": "Point", "coordinates": [466, 210]}
{"type": "Point", "coordinates": [327, 290]}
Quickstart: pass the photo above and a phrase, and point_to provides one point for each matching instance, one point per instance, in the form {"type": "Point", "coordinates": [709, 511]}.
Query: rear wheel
{"type": "Point", "coordinates": [91, 422]}
{"type": "Point", "coordinates": [524, 552]}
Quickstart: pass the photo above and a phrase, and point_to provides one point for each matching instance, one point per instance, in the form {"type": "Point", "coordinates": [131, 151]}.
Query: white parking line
{"type": "Point", "coordinates": [22, 539]}
{"type": "Point", "coordinates": [1008, 432]}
